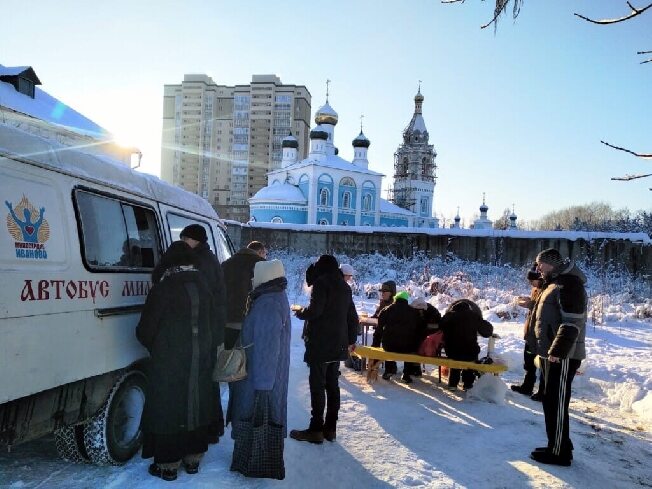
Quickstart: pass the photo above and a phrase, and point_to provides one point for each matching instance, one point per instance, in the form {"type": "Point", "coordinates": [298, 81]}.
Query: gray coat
{"type": "Point", "coordinates": [560, 315]}
{"type": "Point", "coordinates": [266, 336]}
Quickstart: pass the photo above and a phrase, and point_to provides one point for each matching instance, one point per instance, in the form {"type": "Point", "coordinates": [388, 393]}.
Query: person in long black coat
{"type": "Point", "coordinates": [330, 330]}
{"type": "Point", "coordinates": [398, 330]}
{"type": "Point", "coordinates": [208, 264]}
{"type": "Point", "coordinates": [461, 326]}
{"type": "Point", "coordinates": [177, 329]}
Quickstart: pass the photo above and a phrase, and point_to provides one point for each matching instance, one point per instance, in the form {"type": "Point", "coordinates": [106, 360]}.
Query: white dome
{"type": "Point", "coordinates": [280, 192]}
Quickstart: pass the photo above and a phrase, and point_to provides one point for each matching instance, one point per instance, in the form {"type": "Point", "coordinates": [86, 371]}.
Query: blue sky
{"type": "Point", "coordinates": [518, 115]}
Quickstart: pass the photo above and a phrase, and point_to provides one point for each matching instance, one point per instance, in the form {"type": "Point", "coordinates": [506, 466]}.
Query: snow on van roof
{"type": "Point", "coordinates": [98, 168]}
{"type": "Point", "coordinates": [45, 107]}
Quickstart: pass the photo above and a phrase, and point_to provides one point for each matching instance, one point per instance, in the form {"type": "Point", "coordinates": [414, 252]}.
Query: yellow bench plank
{"type": "Point", "coordinates": [380, 354]}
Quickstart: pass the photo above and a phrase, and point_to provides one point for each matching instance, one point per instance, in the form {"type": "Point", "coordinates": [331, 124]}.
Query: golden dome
{"type": "Point", "coordinates": [326, 115]}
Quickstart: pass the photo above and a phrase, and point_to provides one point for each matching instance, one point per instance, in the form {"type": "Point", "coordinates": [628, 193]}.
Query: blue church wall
{"type": "Point", "coordinates": [367, 220]}
{"type": "Point", "coordinates": [371, 195]}
{"type": "Point", "coordinates": [290, 216]}
{"type": "Point", "coordinates": [352, 191]}
{"type": "Point", "coordinates": [328, 216]}
{"type": "Point", "coordinates": [346, 219]}
{"type": "Point", "coordinates": [325, 181]}
{"type": "Point", "coordinates": [393, 221]}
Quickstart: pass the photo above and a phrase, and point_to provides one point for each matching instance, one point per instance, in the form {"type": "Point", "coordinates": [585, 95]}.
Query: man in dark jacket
{"type": "Point", "coordinates": [330, 332]}
{"type": "Point", "coordinates": [209, 266]}
{"type": "Point", "coordinates": [560, 328]}
{"type": "Point", "coordinates": [238, 273]}
{"type": "Point", "coordinates": [398, 331]}
{"type": "Point", "coordinates": [461, 326]}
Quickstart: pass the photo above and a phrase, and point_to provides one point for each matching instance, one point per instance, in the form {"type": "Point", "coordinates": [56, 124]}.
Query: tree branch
{"type": "Point", "coordinates": [635, 11]}
{"type": "Point", "coordinates": [646, 60]}
{"type": "Point", "coordinates": [638, 155]}
{"type": "Point", "coordinates": [629, 177]}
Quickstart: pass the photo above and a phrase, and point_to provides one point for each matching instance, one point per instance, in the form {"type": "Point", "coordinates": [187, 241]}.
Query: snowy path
{"type": "Point", "coordinates": [395, 435]}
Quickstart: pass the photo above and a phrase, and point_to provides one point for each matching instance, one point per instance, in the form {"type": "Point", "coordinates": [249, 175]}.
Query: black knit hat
{"type": "Point", "coordinates": [550, 256]}
{"type": "Point", "coordinates": [389, 286]}
{"type": "Point", "coordinates": [196, 232]}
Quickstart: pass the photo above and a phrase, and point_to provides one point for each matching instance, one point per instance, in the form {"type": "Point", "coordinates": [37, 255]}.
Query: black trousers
{"type": "Point", "coordinates": [409, 368]}
{"type": "Point", "coordinates": [531, 371]}
{"type": "Point", "coordinates": [324, 394]}
{"type": "Point", "coordinates": [559, 377]}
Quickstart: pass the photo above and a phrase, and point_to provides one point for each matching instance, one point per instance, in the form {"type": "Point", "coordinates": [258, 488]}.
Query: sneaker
{"type": "Point", "coordinates": [545, 449]}
{"type": "Point", "coordinates": [407, 379]}
{"type": "Point", "coordinates": [537, 396]}
{"type": "Point", "coordinates": [308, 435]}
{"type": "Point", "coordinates": [329, 435]}
{"type": "Point", "coordinates": [549, 458]}
{"type": "Point", "coordinates": [387, 376]}
{"type": "Point", "coordinates": [521, 390]}
{"type": "Point", "coordinates": [165, 474]}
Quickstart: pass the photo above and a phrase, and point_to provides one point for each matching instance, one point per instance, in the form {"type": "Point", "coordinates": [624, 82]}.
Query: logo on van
{"type": "Point", "coordinates": [29, 229]}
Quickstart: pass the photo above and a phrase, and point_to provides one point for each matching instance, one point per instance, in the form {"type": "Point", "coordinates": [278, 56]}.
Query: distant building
{"type": "Point", "coordinates": [25, 106]}
{"type": "Point", "coordinates": [220, 141]}
{"type": "Point", "coordinates": [414, 170]}
{"type": "Point", "coordinates": [325, 188]}
{"type": "Point", "coordinates": [483, 221]}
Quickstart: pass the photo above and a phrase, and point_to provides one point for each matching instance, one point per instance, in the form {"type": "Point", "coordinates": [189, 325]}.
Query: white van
{"type": "Point", "coordinates": [80, 235]}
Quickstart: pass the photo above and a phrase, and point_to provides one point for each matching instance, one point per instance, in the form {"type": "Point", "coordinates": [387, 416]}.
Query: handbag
{"type": "Point", "coordinates": [230, 365]}
{"type": "Point", "coordinates": [258, 443]}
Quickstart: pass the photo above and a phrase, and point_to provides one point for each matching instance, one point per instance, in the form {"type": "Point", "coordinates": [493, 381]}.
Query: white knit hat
{"type": "Point", "coordinates": [264, 271]}
{"type": "Point", "coordinates": [347, 269]}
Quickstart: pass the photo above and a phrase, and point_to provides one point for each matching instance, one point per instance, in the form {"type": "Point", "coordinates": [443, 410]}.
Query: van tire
{"type": "Point", "coordinates": [112, 436]}
{"type": "Point", "coordinates": [69, 441]}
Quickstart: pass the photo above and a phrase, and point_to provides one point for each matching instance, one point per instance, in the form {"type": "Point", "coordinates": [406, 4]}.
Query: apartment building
{"type": "Point", "coordinates": [220, 141]}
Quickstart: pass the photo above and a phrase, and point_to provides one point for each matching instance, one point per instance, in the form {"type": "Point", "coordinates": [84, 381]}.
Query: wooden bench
{"type": "Point", "coordinates": [376, 353]}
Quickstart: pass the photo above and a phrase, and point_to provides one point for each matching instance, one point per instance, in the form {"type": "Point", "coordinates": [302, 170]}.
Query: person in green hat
{"type": "Point", "coordinates": [398, 331]}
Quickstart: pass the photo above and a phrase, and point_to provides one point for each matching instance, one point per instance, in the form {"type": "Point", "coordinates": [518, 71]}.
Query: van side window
{"type": "Point", "coordinates": [116, 234]}
{"type": "Point", "coordinates": [177, 223]}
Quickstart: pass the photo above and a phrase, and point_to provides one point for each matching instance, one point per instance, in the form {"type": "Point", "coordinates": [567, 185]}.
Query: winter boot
{"type": "Point", "coordinates": [547, 457]}
{"type": "Point", "coordinates": [522, 389]}
{"type": "Point", "coordinates": [406, 378]}
{"type": "Point", "coordinates": [538, 396]}
{"type": "Point", "coordinates": [308, 435]}
{"type": "Point", "coordinates": [164, 471]}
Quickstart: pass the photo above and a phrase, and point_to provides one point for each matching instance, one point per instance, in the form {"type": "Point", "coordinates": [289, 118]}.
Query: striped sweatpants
{"type": "Point", "coordinates": [558, 379]}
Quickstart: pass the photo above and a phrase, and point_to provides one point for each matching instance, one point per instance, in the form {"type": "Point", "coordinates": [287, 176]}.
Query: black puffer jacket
{"type": "Point", "coordinates": [331, 319]}
{"type": "Point", "coordinates": [461, 328]}
{"type": "Point", "coordinates": [238, 272]}
{"type": "Point", "coordinates": [399, 328]}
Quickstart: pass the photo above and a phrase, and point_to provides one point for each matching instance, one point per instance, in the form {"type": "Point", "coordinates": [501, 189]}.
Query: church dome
{"type": "Point", "coordinates": [318, 133]}
{"type": "Point", "coordinates": [361, 141]}
{"type": "Point", "coordinates": [290, 141]}
{"type": "Point", "coordinates": [418, 97]}
{"type": "Point", "coordinates": [326, 115]}
{"type": "Point", "coordinates": [484, 207]}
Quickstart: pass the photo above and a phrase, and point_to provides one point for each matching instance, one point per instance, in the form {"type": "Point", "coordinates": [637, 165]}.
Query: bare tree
{"type": "Point", "coordinates": [501, 7]}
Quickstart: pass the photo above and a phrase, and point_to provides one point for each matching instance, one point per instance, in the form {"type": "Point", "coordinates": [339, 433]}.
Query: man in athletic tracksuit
{"type": "Point", "coordinates": [560, 326]}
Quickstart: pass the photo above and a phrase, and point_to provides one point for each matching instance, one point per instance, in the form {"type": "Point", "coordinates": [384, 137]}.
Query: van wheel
{"type": "Point", "coordinates": [113, 436]}
{"type": "Point", "coordinates": [69, 441]}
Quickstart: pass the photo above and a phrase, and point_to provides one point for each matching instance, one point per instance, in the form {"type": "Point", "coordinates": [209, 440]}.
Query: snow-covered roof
{"type": "Point", "coordinates": [417, 124]}
{"type": "Point", "coordinates": [47, 108]}
{"type": "Point", "coordinates": [97, 168]}
{"type": "Point", "coordinates": [13, 70]}
{"type": "Point", "coordinates": [331, 161]}
{"type": "Point", "coordinates": [386, 207]}
{"type": "Point", "coordinates": [279, 192]}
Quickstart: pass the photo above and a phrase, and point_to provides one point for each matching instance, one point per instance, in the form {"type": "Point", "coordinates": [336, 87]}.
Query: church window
{"type": "Point", "coordinates": [346, 200]}
{"type": "Point", "coordinates": [366, 202]}
{"type": "Point", "coordinates": [323, 222]}
{"type": "Point", "coordinates": [424, 206]}
{"type": "Point", "coordinates": [277, 220]}
{"type": "Point", "coordinates": [323, 197]}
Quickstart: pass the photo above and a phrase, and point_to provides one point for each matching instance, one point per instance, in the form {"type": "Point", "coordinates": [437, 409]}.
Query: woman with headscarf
{"type": "Point", "coordinates": [176, 327]}
{"type": "Point", "coordinates": [266, 338]}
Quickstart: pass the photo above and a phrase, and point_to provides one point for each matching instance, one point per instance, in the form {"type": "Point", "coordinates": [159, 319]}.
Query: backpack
{"type": "Point", "coordinates": [431, 346]}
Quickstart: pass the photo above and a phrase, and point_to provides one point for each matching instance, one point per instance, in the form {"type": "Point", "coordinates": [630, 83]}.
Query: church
{"type": "Point", "coordinates": [326, 189]}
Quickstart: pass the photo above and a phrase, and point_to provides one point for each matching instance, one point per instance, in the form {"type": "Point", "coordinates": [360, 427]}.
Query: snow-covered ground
{"type": "Point", "coordinates": [420, 435]}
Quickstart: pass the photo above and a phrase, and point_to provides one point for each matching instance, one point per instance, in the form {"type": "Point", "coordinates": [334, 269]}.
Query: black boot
{"type": "Point", "coordinates": [308, 435]}
{"type": "Point", "coordinates": [165, 474]}
{"type": "Point", "coordinates": [522, 389]}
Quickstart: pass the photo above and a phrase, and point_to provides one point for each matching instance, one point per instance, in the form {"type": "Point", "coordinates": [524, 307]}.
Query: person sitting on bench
{"type": "Point", "coordinates": [398, 331]}
{"type": "Point", "coordinates": [461, 325]}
